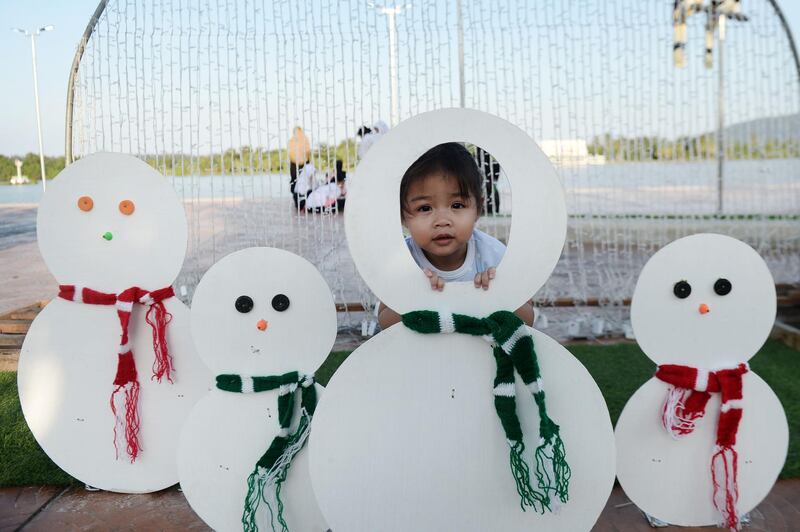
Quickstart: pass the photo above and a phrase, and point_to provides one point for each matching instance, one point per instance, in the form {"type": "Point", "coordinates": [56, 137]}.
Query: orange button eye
{"type": "Point", "coordinates": [126, 207]}
{"type": "Point", "coordinates": [85, 203]}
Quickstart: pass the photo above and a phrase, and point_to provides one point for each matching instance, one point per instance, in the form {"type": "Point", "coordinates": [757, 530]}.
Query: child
{"type": "Point", "coordinates": [326, 196]}
{"type": "Point", "coordinates": [441, 198]}
{"type": "Point", "coordinates": [304, 185]}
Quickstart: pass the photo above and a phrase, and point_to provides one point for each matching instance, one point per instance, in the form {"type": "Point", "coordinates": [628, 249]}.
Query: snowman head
{"type": "Point", "coordinates": [705, 300]}
{"type": "Point", "coordinates": [263, 311]}
{"type": "Point", "coordinates": [109, 222]}
{"type": "Point", "coordinates": [373, 220]}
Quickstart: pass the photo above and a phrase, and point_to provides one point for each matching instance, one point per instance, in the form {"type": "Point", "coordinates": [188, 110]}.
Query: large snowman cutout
{"type": "Point", "coordinates": [407, 437]}
{"type": "Point", "coordinates": [702, 307]}
{"type": "Point", "coordinates": [103, 391]}
{"type": "Point", "coordinates": [257, 313]}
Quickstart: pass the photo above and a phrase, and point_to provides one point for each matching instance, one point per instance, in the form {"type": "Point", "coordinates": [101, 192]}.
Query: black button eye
{"type": "Point", "coordinates": [280, 302]}
{"type": "Point", "coordinates": [682, 289]}
{"type": "Point", "coordinates": [722, 287]}
{"type": "Point", "coordinates": [244, 304]}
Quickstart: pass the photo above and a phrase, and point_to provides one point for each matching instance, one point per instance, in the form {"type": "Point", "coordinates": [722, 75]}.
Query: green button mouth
{"type": "Point", "coordinates": [107, 235]}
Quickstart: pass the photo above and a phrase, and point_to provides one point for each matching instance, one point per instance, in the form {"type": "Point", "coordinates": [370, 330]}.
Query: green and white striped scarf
{"type": "Point", "coordinates": [273, 466]}
{"type": "Point", "coordinates": [513, 349]}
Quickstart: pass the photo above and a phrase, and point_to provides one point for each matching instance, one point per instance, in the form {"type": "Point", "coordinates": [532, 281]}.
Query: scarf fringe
{"type": "Point", "coordinates": [674, 416]}
{"type": "Point", "coordinates": [255, 493]}
{"type": "Point", "coordinates": [158, 318]}
{"type": "Point", "coordinates": [265, 485]}
{"type": "Point", "coordinates": [522, 476]}
{"type": "Point", "coordinates": [552, 470]}
{"type": "Point", "coordinates": [724, 469]}
{"type": "Point", "coordinates": [131, 419]}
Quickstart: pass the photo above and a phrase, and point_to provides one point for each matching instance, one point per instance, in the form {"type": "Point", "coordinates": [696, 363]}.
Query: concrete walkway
{"type": "Point", "coordinates": [72, 509]}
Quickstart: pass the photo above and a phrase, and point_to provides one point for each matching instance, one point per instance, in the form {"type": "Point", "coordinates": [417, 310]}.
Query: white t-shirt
{"type": "Point", "coordinates": [483, 252]}
{"type": "Point", "coordinates": [305, 179]}
{"type": "Point", "coordinates": [323, 196]}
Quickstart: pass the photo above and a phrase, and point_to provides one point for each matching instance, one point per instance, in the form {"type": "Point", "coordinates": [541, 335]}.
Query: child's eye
{"type": "Point", "coordinates": [458, 205]}
{"type": "Point", "coordinates": [424, 208]}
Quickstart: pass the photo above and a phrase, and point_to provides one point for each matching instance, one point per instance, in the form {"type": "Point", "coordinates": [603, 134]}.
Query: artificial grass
{"type": "Point", "coordinates": [22, 461]}
{"type": "Point", "coordinates": [619, 371]}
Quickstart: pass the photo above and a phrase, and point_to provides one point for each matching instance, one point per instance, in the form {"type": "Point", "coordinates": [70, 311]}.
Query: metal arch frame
{"type": "Point", "coordinates": [68, 158]}
{"type": "Point", "coordinates": [789, 36]}
{"type": "Point", "coordinates": [73, 72]}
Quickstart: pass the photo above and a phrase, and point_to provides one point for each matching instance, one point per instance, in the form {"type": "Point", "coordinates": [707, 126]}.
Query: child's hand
{"type": "Point", "coordinates": [437, 283]}
{"type": "Point", "coordinates": [482, 279]}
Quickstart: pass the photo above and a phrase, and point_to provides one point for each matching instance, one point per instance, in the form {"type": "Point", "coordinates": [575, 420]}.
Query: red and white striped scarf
{"type": "Point", "coordinates": [686, 403]}
{"type": "Point", "coordinates": [126, 379]}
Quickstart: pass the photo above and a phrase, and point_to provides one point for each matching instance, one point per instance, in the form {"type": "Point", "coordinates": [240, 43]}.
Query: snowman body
{"type": "Point", "coordinates": [226, 433]}
{"type": "Point", "coordinates": [222, 439]}
{"type": "Point", "coordinates": [671, 478]}
{"type": "Point", "coordinates": [415, 412]}
{"type": "Point", "coordinates": [408, 437]}
{"type": "Point", "coordinates": [69, 359]}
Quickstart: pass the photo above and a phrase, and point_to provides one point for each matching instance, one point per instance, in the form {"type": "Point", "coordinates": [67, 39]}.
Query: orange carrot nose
{"type": "Point", "coordinates": [703, 309]}
{"type": "Point", "coordinates": [262, 325]}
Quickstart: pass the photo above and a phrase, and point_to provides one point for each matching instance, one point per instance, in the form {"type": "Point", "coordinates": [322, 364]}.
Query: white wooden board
{"type": "Point", "coordinates": [66, 369]}
{"type": "Point", "coordinates": [228, 432]}
{"type": "Point", "coordinates": [374, 232]}
{"type": "Point", "coordinates": [146, 248]}
{"type": "Point", "coordinates": [407, 438]}
{"type": "Point", "coordinates": [671, 479]}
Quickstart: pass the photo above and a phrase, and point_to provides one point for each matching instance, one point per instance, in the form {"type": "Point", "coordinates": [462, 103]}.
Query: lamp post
{"type": "Point", "coordinates": [33, 34]}
{"type": "Point", "coordinates": [391, 12]}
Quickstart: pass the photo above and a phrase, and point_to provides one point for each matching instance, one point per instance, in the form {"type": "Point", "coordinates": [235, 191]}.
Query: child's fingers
{"type": "Point", "coordinates": [483, 279]}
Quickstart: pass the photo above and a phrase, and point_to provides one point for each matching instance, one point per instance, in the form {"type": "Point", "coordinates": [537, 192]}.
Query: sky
{"type": "Point", "coordinates": [55, 51]}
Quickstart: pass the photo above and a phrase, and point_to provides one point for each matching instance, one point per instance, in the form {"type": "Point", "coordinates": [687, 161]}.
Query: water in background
{"type": "Point", "coordinates": [750, 187]}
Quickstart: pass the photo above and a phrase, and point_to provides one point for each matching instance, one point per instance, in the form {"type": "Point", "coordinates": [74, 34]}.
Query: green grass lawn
{"type": "Point", "coordinates": [618, 369]}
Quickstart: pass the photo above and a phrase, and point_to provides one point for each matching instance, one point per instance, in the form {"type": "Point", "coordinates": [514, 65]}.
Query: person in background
{"type": "Point", "coordinates": [341, 175]}
{"type": "Point", "coordinates": [331, 196]}
{"type": "Point", "coordinates": [370, 136]}
{"type": "Point", "coordinates": [306, 182]}
{"type": "Point", "coordinates": [491, 173]}
{"type": "Point", "coordinates": [299, 149]}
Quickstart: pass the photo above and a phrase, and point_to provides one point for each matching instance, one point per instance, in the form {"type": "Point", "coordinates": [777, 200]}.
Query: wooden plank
{"type": "Point", "coordinates": [787, 334]}
{"type": "Point", "coordinates": [13, 341]}
{"type": "Point", "coordinates": [15, 326]}
{"type": "Point", "coordinates": [9, 360]}
{"type": "Point", "coordinates": [25, 313]}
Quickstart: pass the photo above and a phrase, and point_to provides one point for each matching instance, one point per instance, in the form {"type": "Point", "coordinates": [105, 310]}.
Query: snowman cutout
{"type": "Point", "coordinates": [703, 441]}
{"type": "Point", "coordinates": [258, 315]}
{"type": "Point", "coordinates": [408, 437]}
{"type": "Point", "coordinates": [107, 372]}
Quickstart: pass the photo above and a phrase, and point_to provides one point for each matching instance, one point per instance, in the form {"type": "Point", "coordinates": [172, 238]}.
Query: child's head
{"type": "Point", "coordinates": [441, 198]}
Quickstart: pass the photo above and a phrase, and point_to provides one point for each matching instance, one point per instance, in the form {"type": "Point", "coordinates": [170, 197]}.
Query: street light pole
{"type": "Point", "coordinates": [33, 35]}
{"type": "Point", "coordinates": [720, 115]}
{"type": "Point", "coordinates": [391, 13]}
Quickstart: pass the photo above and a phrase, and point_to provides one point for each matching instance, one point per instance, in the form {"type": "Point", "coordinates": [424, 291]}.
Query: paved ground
{"type": "Point", "coordinates": [48, 508]}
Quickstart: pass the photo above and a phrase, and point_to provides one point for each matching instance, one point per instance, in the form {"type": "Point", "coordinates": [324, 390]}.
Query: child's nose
{"type": "Point", "coordinates": [443, 220]}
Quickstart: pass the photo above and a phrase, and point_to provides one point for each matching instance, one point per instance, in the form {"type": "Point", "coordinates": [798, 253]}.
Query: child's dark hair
{"type": "Point", "coordinates": [453, 160]}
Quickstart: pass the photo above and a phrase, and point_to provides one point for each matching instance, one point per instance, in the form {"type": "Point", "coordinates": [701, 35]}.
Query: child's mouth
{"type": "Point", "coordinates": [443, 240]}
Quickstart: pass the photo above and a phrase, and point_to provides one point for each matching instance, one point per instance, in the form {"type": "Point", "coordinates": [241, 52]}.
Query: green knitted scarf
{"type": "Point", "coordinates": [273, 466]}
{"type": "Point", "coordinates": [513, 349]}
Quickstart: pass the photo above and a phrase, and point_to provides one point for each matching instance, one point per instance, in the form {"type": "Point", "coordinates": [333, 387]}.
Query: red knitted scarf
{"type": "Point", "coordinates": [126, 379]}
{"type": "Point", "coordinates": [686, 403]}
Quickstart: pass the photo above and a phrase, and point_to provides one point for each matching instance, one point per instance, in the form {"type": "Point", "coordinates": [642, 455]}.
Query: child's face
{"type": "Point", "coordinates": [440, 219]}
